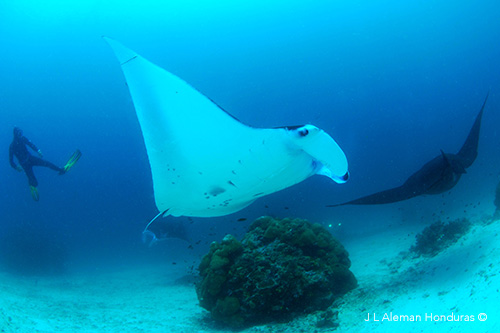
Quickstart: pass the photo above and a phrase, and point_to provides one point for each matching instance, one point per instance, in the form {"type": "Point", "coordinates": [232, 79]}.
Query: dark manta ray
{"type": "Point", "coordinates": [436, 176]}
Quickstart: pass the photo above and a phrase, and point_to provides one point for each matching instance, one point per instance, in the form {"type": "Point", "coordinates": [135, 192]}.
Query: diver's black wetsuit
{"type": "Point", "coordinates": [26, 160]}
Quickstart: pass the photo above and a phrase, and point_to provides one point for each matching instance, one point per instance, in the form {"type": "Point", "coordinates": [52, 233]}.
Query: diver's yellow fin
{"type": "Point", "coordinates": [71, 162]}
{"type": "Point", "coordinates": [34, 193]}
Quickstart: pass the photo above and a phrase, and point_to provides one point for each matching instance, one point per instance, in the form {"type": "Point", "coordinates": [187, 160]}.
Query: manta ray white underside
{"type": "Point", "coordinates": [206, 163]}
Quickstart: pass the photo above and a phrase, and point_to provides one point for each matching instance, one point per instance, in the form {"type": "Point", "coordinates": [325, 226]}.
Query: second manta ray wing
{"type": "Point", "coordinates": [206, 163]}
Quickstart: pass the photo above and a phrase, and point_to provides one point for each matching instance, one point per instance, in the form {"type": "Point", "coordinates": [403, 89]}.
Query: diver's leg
{"type": "Point", "coordinates": [33, 183]}
{"type": "Point", "coordinates": [31, 176]}
{"type": "Point", "coordinates": [41, 162]}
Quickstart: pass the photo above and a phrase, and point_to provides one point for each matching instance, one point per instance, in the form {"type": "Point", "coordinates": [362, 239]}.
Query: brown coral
{"type": "Point", "coordinates": [281, 267]}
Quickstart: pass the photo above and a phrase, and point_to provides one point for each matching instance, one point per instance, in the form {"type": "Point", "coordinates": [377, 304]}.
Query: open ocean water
{"type": "Point", "coordinates": [393, 82]}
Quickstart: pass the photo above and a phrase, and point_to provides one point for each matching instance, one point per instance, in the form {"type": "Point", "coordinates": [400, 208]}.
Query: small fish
{"type": "Point", "coordinates": [242, 219]}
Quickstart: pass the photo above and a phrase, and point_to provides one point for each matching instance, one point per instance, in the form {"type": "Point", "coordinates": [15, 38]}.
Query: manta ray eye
{"type": "Point", "coordinates": [303, 132]}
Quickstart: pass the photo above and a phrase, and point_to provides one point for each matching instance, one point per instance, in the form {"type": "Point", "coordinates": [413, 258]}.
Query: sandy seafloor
{"type": "Point", "coordinates": [464, 280]}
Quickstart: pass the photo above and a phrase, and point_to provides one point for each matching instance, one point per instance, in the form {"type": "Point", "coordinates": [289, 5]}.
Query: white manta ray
{"type": "Point", "coordinates": [205, 162]}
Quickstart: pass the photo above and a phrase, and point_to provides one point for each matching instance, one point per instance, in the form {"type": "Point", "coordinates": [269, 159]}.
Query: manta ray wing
{"type": "Point", "coordinates": [396, 194]}
{"type": "Point", "coordinates": [468, 153]}
{"type": "Point", "coordinates": [206, 163]}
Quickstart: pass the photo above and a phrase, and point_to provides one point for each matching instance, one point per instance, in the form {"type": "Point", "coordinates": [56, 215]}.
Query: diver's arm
{"type": "Point", "coordinates": [32, 146]}
{"type": "Point", "coordinates": [29, 143]}
{"type": "Point", "coordinates": [11, 160]}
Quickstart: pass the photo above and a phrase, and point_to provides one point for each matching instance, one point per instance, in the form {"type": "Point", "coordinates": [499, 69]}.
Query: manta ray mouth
{"type": "Point", "coordinates": [345, 177]}
{"type": "Point", "coordinates": [339, 180]}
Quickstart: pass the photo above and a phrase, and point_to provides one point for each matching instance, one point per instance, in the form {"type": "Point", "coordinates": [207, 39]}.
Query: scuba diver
{"type": "Point", "coordinates": [27, 161]}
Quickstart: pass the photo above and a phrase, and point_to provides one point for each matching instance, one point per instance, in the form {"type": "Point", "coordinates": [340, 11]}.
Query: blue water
{"type": "Point", "coordinates": [392, 81]}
